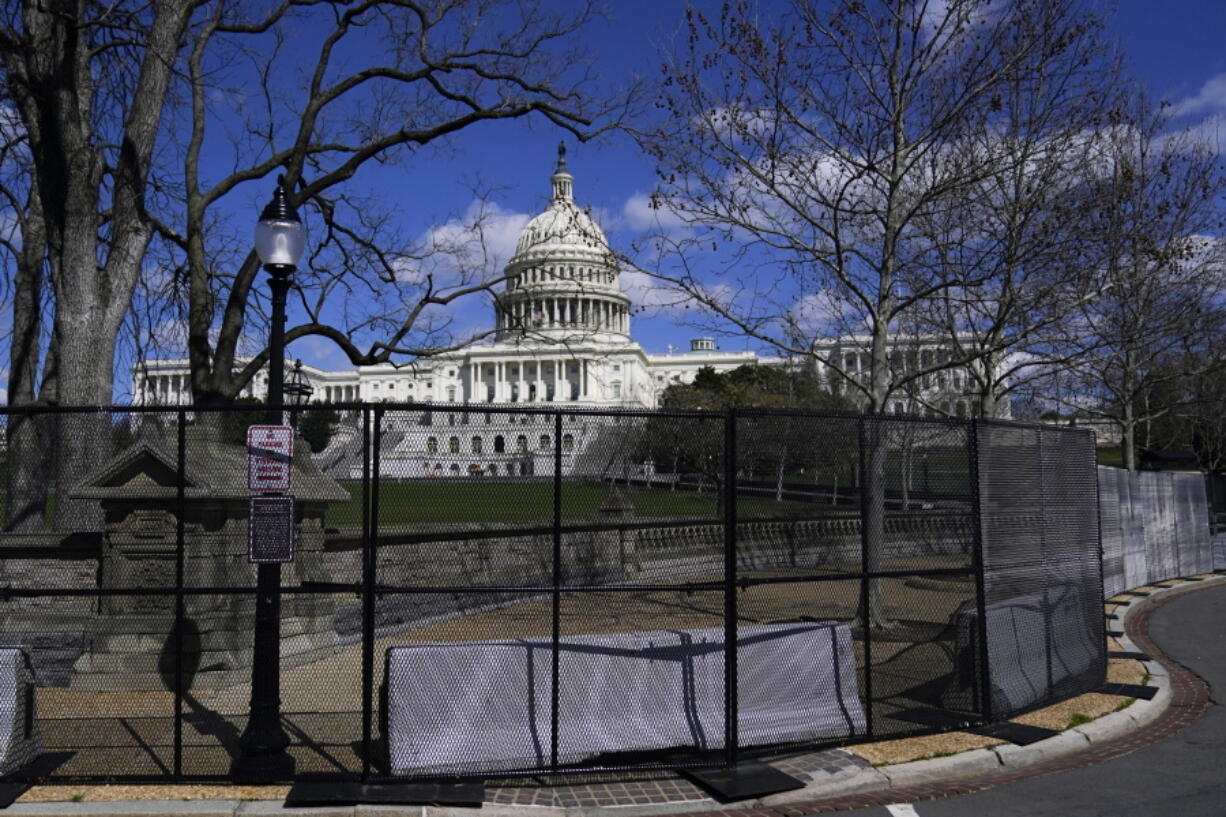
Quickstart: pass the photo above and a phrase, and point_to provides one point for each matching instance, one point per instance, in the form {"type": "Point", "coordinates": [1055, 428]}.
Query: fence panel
{"type": "Point", "coordinates": [1043, 575]}
{"type": "Point", "coordinates": [511, 589]}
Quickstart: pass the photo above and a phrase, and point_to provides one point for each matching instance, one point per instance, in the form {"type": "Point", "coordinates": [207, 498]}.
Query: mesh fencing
{"type": "Point", "coordinates": [511, 590]}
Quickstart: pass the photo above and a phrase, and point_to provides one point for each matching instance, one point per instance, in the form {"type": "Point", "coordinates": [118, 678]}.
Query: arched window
{"type": "Point", "coordinates": [568, 442]}
{"type": "Point", "coordinates": [521, 443]}
{"type": "Point", "coordinates": [432, 445]}
{"type": "Point", "coordinates": [499, 444]}
{"type": "Point", "coordinates": [455, 469]}
{"type": "Point", "coordinates": [476, 445]}
{"type": "Point", "coordinates": [510, 469]}
{"type": "Point", "coordinates": [493, 469]}
{"type": "Point", "coordinates": [544, 442]}
{"type": "Point", "coordinates": [453, 445]}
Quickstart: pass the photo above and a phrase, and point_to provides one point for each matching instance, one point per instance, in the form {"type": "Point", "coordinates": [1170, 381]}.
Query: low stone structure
{"type": "Point", "coordinates": [19, 738]}
{"type": "Point", "coordinates": [125, 638]}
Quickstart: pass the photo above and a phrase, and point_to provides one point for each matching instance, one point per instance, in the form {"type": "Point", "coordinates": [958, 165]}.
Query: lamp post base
{"type": "Point", "coordinates": [262, 768]}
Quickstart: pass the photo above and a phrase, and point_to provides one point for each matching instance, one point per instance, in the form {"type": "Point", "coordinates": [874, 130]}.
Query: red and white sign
{"type": "Point", "coordinates": [270, 454]}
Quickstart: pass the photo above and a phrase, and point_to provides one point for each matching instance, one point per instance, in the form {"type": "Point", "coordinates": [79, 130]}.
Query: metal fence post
{"type": "Point", "coordinates": [731, 710]}
{"type": "Point", "coordinates": [557, 589]}
{"type": "Point", "coordinates": [981, 602]}
{"type": "Point", "coordinates": [865, 623]}
{"type": "Point", "coordinates": [180, 613]}
{"type": "Point", "coordinates": [370, 510]}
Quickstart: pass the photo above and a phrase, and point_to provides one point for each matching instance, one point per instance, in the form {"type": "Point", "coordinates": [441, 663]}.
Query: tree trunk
{"type": "Point", "coordinates": [27, 435]}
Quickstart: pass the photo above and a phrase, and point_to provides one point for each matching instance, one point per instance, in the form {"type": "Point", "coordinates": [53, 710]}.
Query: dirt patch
{"type": "Point", "coordinates": [111, 794]}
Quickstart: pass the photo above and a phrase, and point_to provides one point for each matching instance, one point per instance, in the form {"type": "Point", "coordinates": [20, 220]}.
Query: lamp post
{"type": "Point", "coordinates": [279, 241]}
{"type": "Point", "coordinates": [298, 391]}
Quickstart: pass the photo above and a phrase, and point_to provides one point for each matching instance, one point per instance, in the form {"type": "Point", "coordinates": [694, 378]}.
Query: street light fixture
{"type": "Point", "coordinates": [298, 391]}
{"type": "Point", "coordinates": [280, 239]}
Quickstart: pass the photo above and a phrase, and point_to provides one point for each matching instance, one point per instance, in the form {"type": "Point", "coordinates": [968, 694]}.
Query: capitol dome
{"type": "Point", "coordinates": [563, 281]}
{"type": "Point", "coordinates": [563, 227]}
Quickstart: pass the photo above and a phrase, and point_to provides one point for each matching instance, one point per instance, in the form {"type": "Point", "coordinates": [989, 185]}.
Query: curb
{"type": "Point", "coordinates": [1108, 736]}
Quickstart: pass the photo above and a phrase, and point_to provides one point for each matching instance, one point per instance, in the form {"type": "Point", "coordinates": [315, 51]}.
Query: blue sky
{"type": "Point", "coordinates": [1174, 47]}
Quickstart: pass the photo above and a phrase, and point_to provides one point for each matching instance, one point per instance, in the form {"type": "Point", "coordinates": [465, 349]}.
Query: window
{"type": "Point", "coordinates": [617, 390]}
{"type": "Point", "coordinates": [544, 442]}
{"type": "Point", "coordinates": [521, 444]}
{"type": "Point", "coordinates": [476, 445]}
{"type": "Point", "coordinates": [453, 445]}
{"type": "Point", "coordinates": [455, 469]}
{"type": "Point", "coordinates": [499, 444]}
{"type": "Point", "coordinates": [568, 442]}
{"type": "Point", "coordinates": [493, 469]}
{"type": "Point", "coordinates": [450, 419]}
{"type": "Point", "coordinates": [432, 446]}
{"type": "Point", "coordinates": [451, 394]}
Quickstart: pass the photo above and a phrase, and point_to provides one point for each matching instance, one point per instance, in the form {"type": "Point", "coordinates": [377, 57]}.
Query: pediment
{"type": "Point", "coordinates": [141, 470]}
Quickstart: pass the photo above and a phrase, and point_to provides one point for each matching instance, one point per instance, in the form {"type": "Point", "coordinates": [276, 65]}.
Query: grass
{"type": "Point", "coordinates": [426, 502]}
{"type": "Point", "coordinates": [1078, 719]}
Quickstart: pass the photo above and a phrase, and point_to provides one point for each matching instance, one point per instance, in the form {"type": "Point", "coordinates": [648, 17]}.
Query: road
{"type": "Point", "coordinates": [1183, 775]}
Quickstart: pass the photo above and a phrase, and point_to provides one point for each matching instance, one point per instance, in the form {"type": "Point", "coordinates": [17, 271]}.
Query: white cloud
{"type": "Point", "coordinates": [474, 246]}
{"type": "Point", "coordinates": [641, 215]}
{"type": "Point", "coordinates": [651, 294]}
{"type": "Point", "coordinates": [1210, 99]}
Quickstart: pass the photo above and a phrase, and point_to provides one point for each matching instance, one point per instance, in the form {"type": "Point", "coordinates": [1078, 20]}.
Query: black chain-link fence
{"type": "Point", "coordinates": [504, 590]}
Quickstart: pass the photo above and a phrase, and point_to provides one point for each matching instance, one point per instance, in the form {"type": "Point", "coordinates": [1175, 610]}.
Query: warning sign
{"type": "Point", "coordinates": [270, 454]}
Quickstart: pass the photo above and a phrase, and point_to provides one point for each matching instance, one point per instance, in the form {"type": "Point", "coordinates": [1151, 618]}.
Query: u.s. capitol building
{"type": "Point", "coordinates": [562, 338]}
{"type": "Point", "coordinates": [562, 335]}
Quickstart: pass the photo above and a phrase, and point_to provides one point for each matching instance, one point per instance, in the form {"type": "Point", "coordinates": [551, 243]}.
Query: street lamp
{"type": "Point", "coordinates": [279, 241]}
{"type": "Point", "coordinates": [298, 391]}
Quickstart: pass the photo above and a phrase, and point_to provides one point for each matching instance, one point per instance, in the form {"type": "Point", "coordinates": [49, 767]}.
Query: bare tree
{"type": "Point", "coordinates": [1153, 214]}
{"type": "Point", "coordinates": [814, 149]}
{"type": "Point", "coordinates": [1016, 237]}
{"type": "Point", "coordinates": [129, 108]}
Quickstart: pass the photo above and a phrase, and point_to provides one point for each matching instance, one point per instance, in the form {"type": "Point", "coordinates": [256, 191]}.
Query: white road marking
{"type": "Point", "coordinates": [902, 810]}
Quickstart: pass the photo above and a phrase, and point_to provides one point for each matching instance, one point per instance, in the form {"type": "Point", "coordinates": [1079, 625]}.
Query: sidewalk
{"type": "Point", "coordinates": [837, 779]}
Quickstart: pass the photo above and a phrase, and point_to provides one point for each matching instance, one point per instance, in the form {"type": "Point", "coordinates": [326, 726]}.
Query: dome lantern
{"type": "Point", "coordinates": [562, 180]}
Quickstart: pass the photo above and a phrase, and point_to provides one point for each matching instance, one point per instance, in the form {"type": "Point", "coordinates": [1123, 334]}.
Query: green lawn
{"type": "Point", "coordinates": [428, 502]}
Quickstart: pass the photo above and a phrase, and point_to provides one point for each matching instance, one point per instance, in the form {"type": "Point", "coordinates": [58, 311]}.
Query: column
{"type": "Point", "coordinates": [583, 391]}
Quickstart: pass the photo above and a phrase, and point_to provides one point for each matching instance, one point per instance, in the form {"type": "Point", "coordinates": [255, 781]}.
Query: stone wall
{"type": "Point", "coordinates": [476, 557]}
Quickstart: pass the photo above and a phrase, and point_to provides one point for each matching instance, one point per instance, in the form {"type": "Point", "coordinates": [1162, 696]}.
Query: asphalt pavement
{"type": "Point", "coordinates": [1183, 775]}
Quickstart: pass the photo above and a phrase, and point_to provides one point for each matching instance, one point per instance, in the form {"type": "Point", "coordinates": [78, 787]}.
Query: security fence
{"type": "Point", "coordinates": [499, 590]}
{"type": "Point", "coordinates": [1155, 526]}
